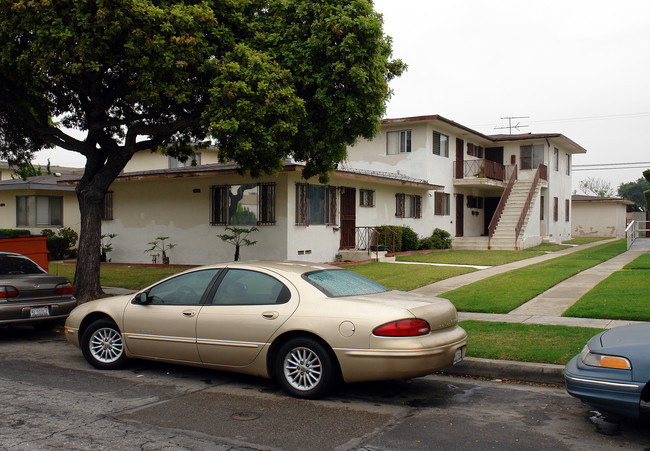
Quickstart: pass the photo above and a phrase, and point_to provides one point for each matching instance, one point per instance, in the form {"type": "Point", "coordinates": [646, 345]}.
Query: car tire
{"type": "Point", "coordinates": [305, 368]}
{"type": "Point", "coordinates": [103, 346]}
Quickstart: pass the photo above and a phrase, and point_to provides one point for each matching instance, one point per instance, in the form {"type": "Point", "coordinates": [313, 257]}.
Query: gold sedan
{"type": "Point", "coordinates": [307, 325]}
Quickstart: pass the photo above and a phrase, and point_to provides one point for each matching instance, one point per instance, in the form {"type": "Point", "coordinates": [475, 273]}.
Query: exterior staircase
{"type": "Point", "coordinates": [504, 236]}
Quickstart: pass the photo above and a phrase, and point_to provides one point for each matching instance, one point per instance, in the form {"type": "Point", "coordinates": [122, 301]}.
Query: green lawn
{"type": "Point", "coordinates": [406, 277]}
{"type": "Point", "coordinates": [123, 276]}
{"type": "Point", "coordinates": [548, 247]}
{"type": "Point", "coordinates": [504, 292]}
{"type": "Point", "coordinates": [525, 342]}
{"type": "Point", "coordinates": [471, 257]}
{"type": "Point", "coordinates": [642, 262]}
{"type": "Point", "coordinates": [623, 295]}
{"type": "Point", "coordinates": [583, 240]}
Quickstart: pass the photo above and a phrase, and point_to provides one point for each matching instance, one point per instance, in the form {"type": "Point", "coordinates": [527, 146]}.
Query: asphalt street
{"type": "Point", "coordinates": [52, 399]}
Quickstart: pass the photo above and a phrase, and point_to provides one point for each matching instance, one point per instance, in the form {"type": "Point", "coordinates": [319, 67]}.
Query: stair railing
{"type": "Point", "coordinates": [531, 192]}
{"type": "Point", "coordinates": [502, 204]}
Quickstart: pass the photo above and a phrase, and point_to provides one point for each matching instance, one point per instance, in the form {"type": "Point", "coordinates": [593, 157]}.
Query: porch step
{"type": "Point", "coordinates": [357, 255]}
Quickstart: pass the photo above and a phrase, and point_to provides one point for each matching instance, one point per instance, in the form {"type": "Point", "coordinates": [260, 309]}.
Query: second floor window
{"type": "Point", "coordinates": [440, 144]}
{"type": "Point", "coordinates": [532, 156]}
{"type": "Point", "coordinates": [398, 142]}
{"type": "Point", "coordinates": [556, 159]}
{"type": "Point", "coordinates": [107, 213]}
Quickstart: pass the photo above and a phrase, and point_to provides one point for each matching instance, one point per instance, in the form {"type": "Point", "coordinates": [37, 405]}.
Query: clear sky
{"type": "Point", "coordinates": [576, 67]}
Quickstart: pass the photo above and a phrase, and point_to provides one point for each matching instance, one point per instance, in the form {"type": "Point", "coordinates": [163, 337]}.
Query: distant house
{"type": "Point", "coordinates": [39, 203]}
{"type": "Point", "coordinates": [599, 216]}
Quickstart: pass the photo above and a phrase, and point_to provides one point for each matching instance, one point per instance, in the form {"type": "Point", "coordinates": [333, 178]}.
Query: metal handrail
{"type": "Point", "coordinates": [502, 203]}
{"type": "Point", "coordinates": [634, 231]}
{"type": "Point", "coordinates": [368, 237]}
{"type": "Point", "coordinates": [529, 198]}
{"type": "Point", "coordinates": [484, 168]}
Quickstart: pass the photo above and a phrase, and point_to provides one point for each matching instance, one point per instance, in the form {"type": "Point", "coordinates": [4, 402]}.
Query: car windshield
{"type": "Point", "coordinates": [341, 282]}
{"type": "Point", "coordinates": [12, 264]}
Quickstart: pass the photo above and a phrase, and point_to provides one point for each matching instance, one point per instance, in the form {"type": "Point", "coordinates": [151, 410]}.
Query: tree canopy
{"type": "Point", "coordinates": [265, 79]}
{"type": "Point", "coordinates": [634, 191]}
{"type": "Point", "coordinates": [597, 187]}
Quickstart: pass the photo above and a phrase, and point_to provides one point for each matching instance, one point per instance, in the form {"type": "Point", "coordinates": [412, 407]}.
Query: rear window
{"type": "Point", "coordinates": [12, 264]}
{"type": "Point", "coordinates": [341, 282]}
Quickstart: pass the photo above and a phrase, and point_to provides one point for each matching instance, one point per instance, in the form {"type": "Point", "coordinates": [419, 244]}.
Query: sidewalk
{"type": "Point", "coordinates": [548, 307]}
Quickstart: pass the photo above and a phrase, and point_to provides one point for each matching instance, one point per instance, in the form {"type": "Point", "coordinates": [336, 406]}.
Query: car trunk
{"type": "Point", "coordinates": [34, 286]}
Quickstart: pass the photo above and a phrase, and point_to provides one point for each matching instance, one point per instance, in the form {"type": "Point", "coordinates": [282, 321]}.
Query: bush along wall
{"type": "Point", "coordinates": [14, 233]}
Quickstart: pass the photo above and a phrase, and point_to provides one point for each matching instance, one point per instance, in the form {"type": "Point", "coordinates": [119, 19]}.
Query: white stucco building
{"type": "Point", "coordinates": [424, 172]}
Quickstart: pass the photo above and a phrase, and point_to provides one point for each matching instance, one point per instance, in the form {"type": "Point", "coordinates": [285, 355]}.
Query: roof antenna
{"type": "Point", "coordinates": [517, 126]}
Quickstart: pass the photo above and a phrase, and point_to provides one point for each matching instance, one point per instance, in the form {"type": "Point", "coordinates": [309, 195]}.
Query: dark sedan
{"type": "Point", "coordinates": [612, 372]}
{"type": "Point", "coordinates": [30, 295]}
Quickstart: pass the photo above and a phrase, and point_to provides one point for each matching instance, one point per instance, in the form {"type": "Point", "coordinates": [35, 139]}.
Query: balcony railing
{"type": "Point", "coordinates": [374, 239]}
{"type": "Point", "coordinates": [482, 169]}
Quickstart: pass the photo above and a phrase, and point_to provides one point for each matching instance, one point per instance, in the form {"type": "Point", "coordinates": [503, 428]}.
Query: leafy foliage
{"type": "Point", "coordinates": [265, 79]}
{"type": "Point", "coordinates": [238, 237]}
{"type": "Point", "coordinates": [440, 239]}
{"type": "Point", "coordinates": [27, 169]}
{"type": "Point", "coordinates": [634, 191]}
{"type": "Point", "coordinates": [596, 187]}
{"type": "Point", "coordinates": [60, 243]}
{"type": "Point", "coordinates": [13, 233]}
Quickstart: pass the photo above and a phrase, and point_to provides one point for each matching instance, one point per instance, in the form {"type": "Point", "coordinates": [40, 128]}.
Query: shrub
{"type": "Point", "coordinates": [13, 233]}
{"type": "Point", "coordinates": [58, 247]}
{"type": "Point", "coordinates": [410, 239]}
{"type": "Point", "coordinates": [440, 239]}
{"type": "Point", "coordinates": [60, 243]}
{"type": "Point", "coordinates": [405, 238]}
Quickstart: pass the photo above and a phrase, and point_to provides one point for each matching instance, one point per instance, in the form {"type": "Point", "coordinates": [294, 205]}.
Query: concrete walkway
{"type": "Point", "coordinates": [548, 307]}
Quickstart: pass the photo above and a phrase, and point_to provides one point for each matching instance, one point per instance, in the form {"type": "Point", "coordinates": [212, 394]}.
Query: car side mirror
{"type": "Point", "coordinates": [141, 298]}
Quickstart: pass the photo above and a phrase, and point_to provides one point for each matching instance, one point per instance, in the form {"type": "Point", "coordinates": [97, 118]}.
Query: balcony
{"type": "Point", "coordinates": [481, 173]}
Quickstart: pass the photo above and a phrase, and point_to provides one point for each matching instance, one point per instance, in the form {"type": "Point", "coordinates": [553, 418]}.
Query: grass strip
{"type": "Point", "coordinates": [504, 292]}
{"type": "Point", "coordinates": [548, 247]}
{"type": "Point", "coordinates": [623, 295]}
{"type": "Point", "coordinates": [525, 342]}
{"type": "Point", "coordinates": [584, 240]}
{"type": "Point", "coordinates": [471, 257]}
{"type": "Point", "coordinates": [405, 277]}
{"type": "Point", "coordinates": [122, 276]}
{"type": "Point", "coordinates": [642, 262]}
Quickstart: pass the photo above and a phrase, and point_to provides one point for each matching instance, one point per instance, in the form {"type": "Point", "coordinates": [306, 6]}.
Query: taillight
{"type": "Point", "coordinates": [63, 288]}
{"type": "Point", "coordinates": [7, 291]}
{"type": "Point", "coordinates": [403, 328]}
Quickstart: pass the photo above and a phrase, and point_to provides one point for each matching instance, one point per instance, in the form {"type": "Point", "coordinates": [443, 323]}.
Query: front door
{"type": "Point", "coordinates": [460, 218]}
{"type": "Point", "coordinates": [460, 159]}
{"type": "Point", "coordinates": [348, 218]}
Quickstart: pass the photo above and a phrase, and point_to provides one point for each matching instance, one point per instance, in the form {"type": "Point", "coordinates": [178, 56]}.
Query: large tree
{"type": "Point", "coordinates": [634, 191]}
{"type": "Point", "coordinates": [265, 79]}
{"type": "Point", "coordinates": [596, 187]}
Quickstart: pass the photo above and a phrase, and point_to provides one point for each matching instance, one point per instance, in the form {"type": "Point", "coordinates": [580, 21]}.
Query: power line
{"type": "Point", "coordinates": [611, 164]}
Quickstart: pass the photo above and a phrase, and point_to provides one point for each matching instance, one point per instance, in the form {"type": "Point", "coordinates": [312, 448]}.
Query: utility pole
{"type": "Point", "coordinates": [517, 126]}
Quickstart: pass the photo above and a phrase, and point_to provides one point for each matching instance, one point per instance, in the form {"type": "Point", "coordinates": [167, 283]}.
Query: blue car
{"type": "Point", "coordinates": [612, 372]}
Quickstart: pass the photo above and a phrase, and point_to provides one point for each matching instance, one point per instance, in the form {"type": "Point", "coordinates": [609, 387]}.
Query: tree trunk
{"type": "Point", "coordinates": [236, 252]}
{"type": "Point", "coordinates": [87, 281]}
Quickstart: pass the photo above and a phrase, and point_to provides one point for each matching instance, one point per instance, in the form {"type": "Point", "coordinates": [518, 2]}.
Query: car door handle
{"type": "Point", "coordinates": [189, 313]}
{"type": "Point", "coordinates": [270, 315]}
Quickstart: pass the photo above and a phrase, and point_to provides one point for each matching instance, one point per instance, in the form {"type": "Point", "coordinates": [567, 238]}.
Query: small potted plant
{"type": "Point", "coordinates": [160, 245]}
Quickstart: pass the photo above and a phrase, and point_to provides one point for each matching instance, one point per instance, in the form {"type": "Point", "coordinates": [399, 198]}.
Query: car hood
{"type": "Point", "coordinates": [438, 312]}
{"type": "Point", "coordinates": [625, 339]}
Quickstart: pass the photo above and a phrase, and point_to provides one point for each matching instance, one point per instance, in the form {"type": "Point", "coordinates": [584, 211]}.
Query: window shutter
{"type": "Point", "coordinates": [218, 205]}
{"type": "Point", "coordinates": [436, 143]}
{"type": "Point", "coordinates": [302, 204]}
{"type": "Point", "coordinates": [399, 205]}
{"type": "Point", "coordinates": [330, 199]}
{"type": "Point", "coordinates": [418, 206]}
{"type": "Point", "coordinates": [555, 209]}
{"type": "Point", "coordinates": [437, 203]}
{"type": "Point", "coordinates": [566, 209]}
{"type": "Point", "coordinates": [266, 203]}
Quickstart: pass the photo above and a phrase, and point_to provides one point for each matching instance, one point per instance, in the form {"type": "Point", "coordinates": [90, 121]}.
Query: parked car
{"type": "Point", "coordinates": [612, 372]}
{"type": "Point", "coordinates": [30, 295]}
{"type": "Point", "coordinates": [305, 325]}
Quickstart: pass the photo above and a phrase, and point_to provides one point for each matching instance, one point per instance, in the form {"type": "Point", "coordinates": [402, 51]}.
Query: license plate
{"type": "Point", "coordinates": [458, 356]}
{"type": "Point", "coordinates": [37, 312]}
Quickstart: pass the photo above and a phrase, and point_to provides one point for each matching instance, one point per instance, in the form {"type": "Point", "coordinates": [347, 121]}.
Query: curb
{"type": "Point", "coordinates": [540, 373]}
